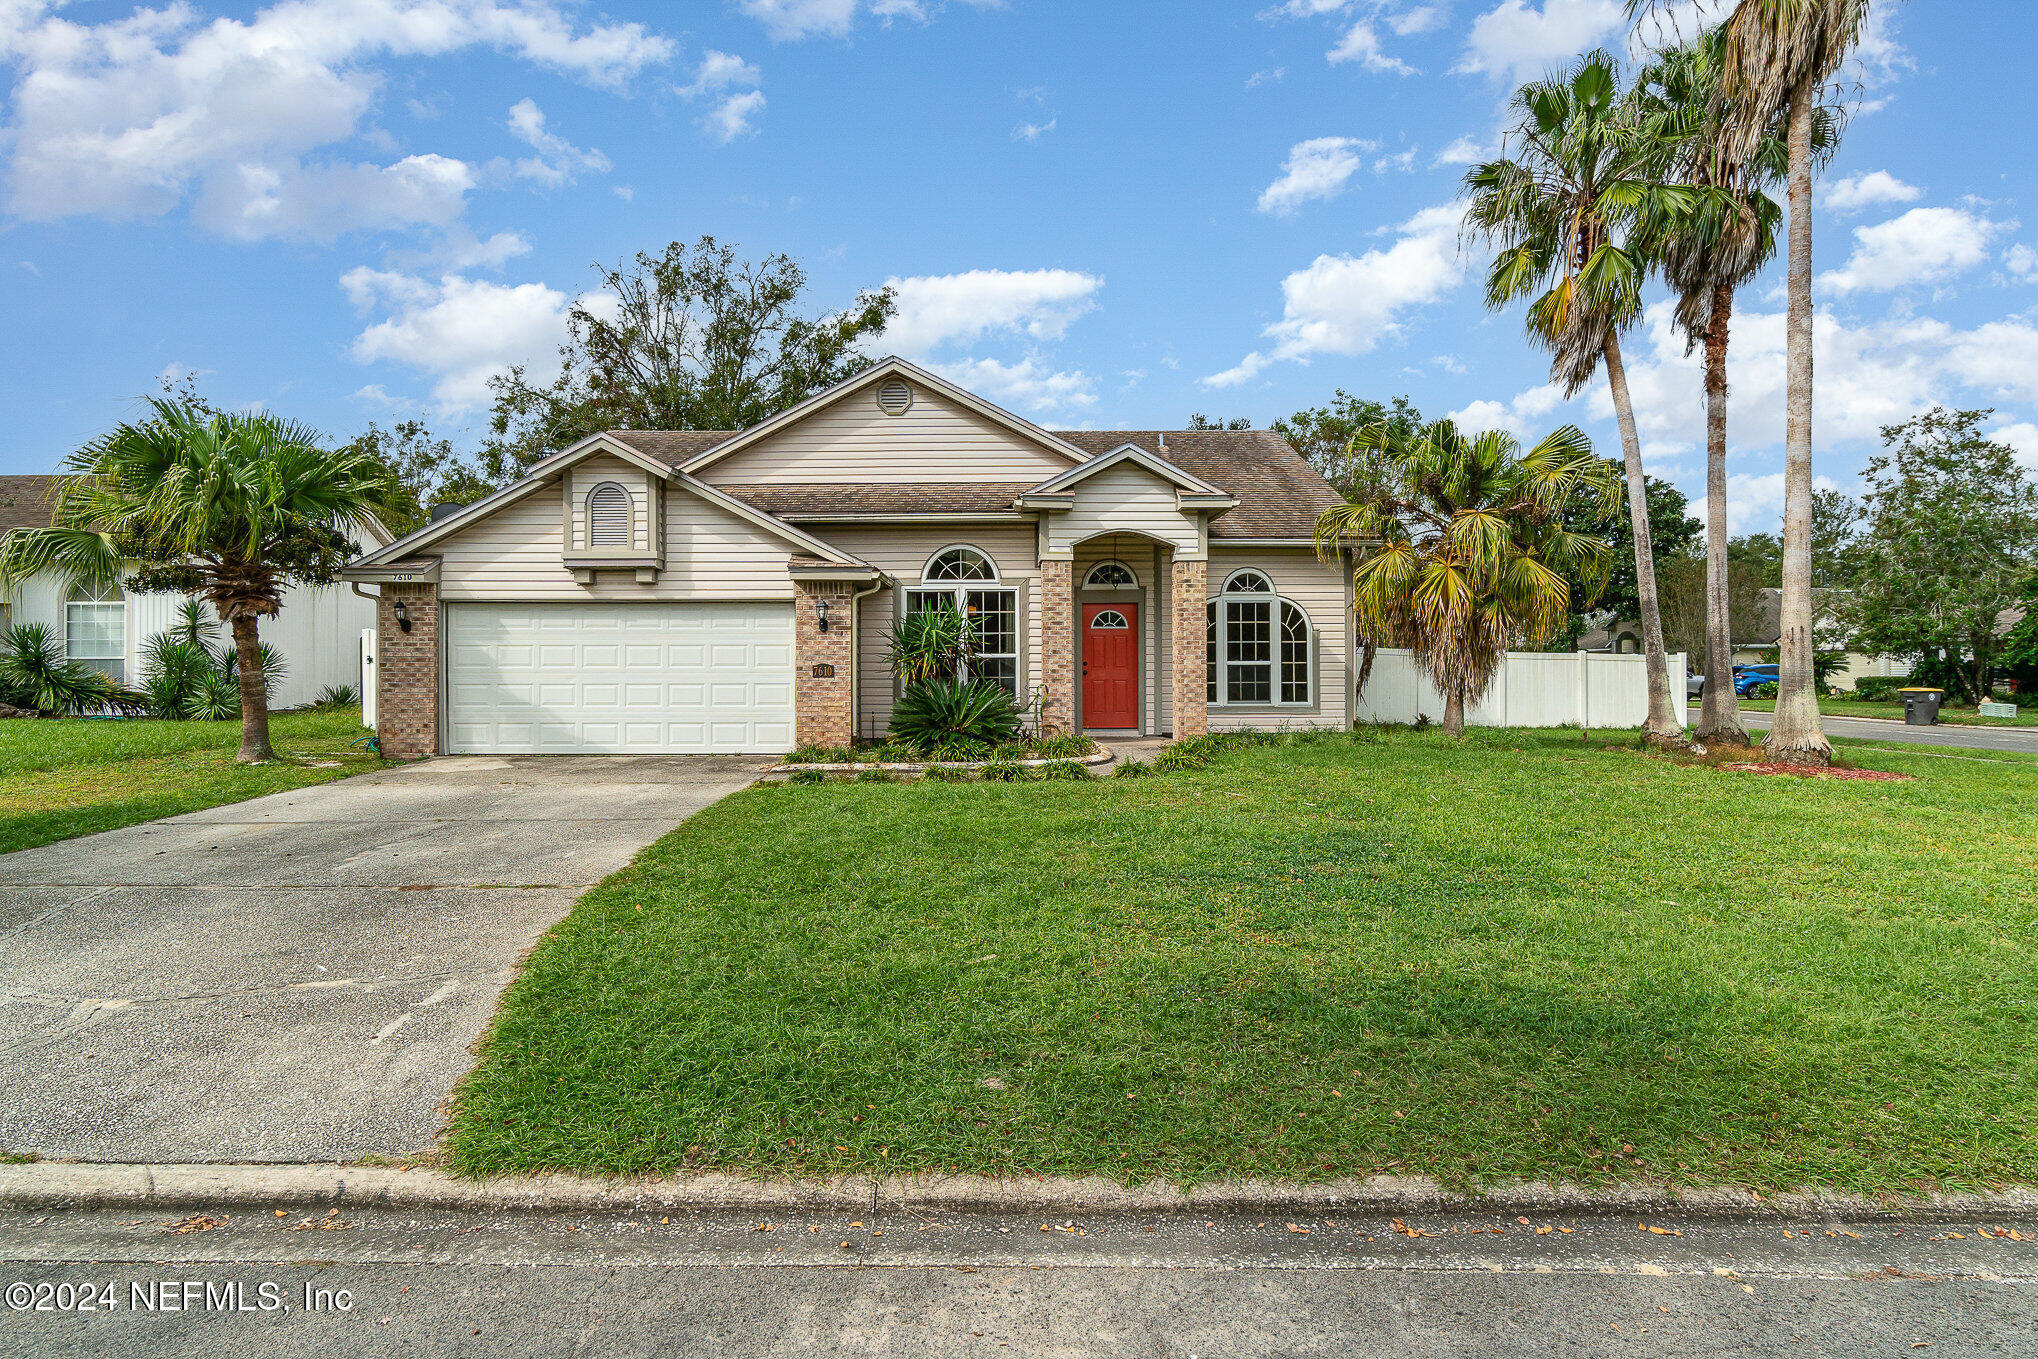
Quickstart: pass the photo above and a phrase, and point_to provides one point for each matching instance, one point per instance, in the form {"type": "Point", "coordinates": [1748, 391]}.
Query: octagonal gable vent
{"type": "Point", "coordinates": [894, 397]}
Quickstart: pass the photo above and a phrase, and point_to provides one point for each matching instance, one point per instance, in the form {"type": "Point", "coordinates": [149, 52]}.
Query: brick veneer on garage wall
{"type": "Point", "coordinates": [1058, 644]}
{"type": "Point", "coordinates": [1190, 592]}
{"type": "Point", "coordinates": [407, 673]}
{"type": "Point", "coordinates": [822, 715]}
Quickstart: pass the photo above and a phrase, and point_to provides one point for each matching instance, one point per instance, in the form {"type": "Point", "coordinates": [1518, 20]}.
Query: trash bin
{"type": "Point", "coordinates": [1921, 706]}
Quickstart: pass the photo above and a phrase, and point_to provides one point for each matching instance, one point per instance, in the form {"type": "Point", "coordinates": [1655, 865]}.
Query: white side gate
{"type": "Point", "coordinates": [368, 678]}
{"type": "Point", "coordinates": [1531, 689]}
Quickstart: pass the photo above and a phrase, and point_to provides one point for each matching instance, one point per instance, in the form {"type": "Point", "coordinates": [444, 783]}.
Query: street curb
{"type": "Point", "coordinates": [55, 1184]}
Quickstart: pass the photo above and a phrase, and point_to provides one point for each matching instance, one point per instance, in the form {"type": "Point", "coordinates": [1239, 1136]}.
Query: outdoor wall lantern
{"type": "Point", "coordinates": [402, 616]}
{"type": "Point", "coordinates": [821, 609]}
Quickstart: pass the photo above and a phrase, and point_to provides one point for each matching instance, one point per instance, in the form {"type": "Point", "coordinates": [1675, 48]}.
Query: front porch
{"type": "Point", "coordinates": [1122, 647]}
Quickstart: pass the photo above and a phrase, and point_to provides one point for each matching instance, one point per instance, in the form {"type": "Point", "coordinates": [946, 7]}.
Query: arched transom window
{"type": "Point", "coordinates": [965, 578]}
{"type": "Point", "coordinates": [608, 516]}
{"type": "Point", "coordinates": [95, 629]}
{"type": "Point", "coordinates": [1261, 649]}
{"type": "Point", "coordinates": [1110, 575]}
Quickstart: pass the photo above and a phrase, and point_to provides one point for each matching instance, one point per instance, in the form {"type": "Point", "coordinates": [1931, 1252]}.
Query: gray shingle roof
{"type": "Point", "coordinates": [1279, 493]}
{"type": "Point", "coordinates": [25, 501]}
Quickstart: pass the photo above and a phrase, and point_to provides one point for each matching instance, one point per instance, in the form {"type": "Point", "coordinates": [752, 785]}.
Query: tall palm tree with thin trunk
{"type": "Point", "coordinates": [231, 508]}
{"type": "Point", "coordinates": [1571, 212]}
{"type": "Point", "coordinates": [1779, 57]}
{"type": "Point", "coordinates": [1466, 544]}
{"type": "Point", "coordinates": [1728, 239]}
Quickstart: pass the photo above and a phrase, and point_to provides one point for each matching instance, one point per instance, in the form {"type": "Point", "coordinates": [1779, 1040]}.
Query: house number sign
{"type": "Point", "coordinates": [824, 672]}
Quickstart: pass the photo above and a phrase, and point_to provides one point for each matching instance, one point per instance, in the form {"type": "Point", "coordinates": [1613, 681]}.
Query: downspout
{"type": "Point", "coordinates": [856, 655]}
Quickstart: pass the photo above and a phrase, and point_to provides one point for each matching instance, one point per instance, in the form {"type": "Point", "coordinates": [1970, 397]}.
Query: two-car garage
{"type": "Point", "coordinates": [672, 678]}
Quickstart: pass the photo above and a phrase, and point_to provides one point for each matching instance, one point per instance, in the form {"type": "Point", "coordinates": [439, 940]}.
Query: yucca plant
{"type": "Point", "coordinates": [933, 644]}
{"type": "Point", "coordinates": [939, 713]}
{"type": "Point", "coordinates": [35, 674]}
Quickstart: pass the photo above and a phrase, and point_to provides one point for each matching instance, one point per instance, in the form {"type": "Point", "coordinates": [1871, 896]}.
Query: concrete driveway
{"type": "Point", "coordinates": [299, 977]}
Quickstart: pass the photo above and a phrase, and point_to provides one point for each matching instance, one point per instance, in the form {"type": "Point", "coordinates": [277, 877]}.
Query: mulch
{"type": "Point", "coordinates": [1813, 772]}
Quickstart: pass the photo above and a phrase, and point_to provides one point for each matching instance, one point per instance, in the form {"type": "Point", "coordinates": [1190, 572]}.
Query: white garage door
{"type": "Point", "coordinates": [650, 679]}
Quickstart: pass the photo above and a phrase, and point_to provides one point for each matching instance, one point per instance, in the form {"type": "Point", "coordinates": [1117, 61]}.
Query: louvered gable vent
{"type": "Point", "coordinates": [608, 516]}
{"type": "Point", "coordinates": [894, 397]}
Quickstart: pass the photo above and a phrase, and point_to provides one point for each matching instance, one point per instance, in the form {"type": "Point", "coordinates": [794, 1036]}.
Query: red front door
{"type": "Point", "coordinates": [1111, 665]}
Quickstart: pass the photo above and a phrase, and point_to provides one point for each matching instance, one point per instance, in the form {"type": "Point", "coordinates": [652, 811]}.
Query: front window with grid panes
{"type": "Point", "coordinates": [1258, 646]}
{"type": "Point", "coordinates": [964, 578]}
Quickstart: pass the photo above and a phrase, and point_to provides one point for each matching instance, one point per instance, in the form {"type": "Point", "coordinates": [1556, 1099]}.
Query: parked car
{"type": "Point", "coordinates": [1694, 686]}
{"type": "Point", "coordinates": [1748, 677]}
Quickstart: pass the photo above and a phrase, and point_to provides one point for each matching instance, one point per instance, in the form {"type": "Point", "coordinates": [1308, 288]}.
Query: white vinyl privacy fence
{"type": "Point", "coordinates": [1532, 689]}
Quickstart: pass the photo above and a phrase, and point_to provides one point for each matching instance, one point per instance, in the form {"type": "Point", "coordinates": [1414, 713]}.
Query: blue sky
{"type": "Point", "coordinates": [355, 210]}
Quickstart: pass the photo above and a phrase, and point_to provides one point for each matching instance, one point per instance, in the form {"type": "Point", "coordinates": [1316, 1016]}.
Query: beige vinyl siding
{"type": "Point", "coordinates": [851, 440]}
{"type": "Point", "coordinates": [900, 551]}
{"type": "Point", "coordinates": [1320, 589]}
{"type": "Point", "coordinates": [1127, 498]}
{"type": "Point", "coordinates": [585, 476]}
{"type": "Point", "coordinates": [709, 554]}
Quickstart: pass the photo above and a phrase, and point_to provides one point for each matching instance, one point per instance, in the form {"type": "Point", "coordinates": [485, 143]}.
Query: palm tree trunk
{"type": "Point", "coordinates": [1454, 712]}
{"type": "Point", "coordinates": [255, 746]}
{"type": "Point", "coordinates": [1795, 734]}
{"type": "Point", "coordinates": [1666, 724]}
{"type": "Point", "coordinates": [1719, 717]}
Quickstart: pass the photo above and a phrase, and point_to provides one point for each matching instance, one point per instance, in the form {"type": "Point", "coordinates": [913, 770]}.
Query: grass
{"type": "Point", "coordinates": [73, 777]}
{"type": "Point", "coordinates": [1528, 954]}
{"type": "Point", "coordinates": [2027, 716]}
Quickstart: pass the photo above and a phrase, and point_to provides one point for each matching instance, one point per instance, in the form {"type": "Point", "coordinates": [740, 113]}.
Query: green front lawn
{"type": "Point", "coordinates": [76, 776]}
{"type": "Point", "coordinates": [1529, 954]}
{"type": "Point", "coordinates": [2027, 715]}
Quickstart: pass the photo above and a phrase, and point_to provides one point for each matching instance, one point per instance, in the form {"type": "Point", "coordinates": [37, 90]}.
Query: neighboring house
{"type": "Point", "coordinates": [318, 632]}
{"type": "Point", "coordinates": [1757, 639]}
{"type": "Point", "coordinates": [1614, 636]}
{"type": "Point", "coordinates": [682, 591]}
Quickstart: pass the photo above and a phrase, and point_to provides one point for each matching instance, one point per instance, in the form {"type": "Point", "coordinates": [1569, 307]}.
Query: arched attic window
{"type": "Point", "coordinates": [608, 516]}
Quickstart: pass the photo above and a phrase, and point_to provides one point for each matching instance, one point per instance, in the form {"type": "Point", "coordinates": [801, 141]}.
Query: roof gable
{"type": "Point", "coordinates": [1127, 453]}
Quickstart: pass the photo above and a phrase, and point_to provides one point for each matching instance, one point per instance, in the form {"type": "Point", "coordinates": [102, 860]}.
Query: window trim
{"type": "Point", "coordinates": [1216, 627]}
{"type": "Point", "coordinates": [629, 543]}
{"type": "Point", "coordinates": [106, 600]}
{"type": "Point", "coordinates": [1231, 587]}
{"type": "Point", "coordinates": [1090, 581]}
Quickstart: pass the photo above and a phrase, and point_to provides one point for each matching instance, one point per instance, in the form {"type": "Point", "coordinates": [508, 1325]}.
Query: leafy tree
{"type": "Point", "coordinates": [1836, 520]}
{"type": "Point", "coordinates": [233, 508]}
{"type": "Point", "coordinates": [1951, 540]}
{"type": "Point", "coordinates": [1202, 421]}
{"type": "Point", "coordinates": [426, 472]}
{"type": "Point", "coordinates": [1575, 214]}
{"type": "Point", "coordinates": [1761, 553]}
{"type": "Point", "coordinates": [1328, 436]}
{"type": "Point", "coordinates": [693, 338]}
{"type": "Point", "coordinates": [1685, 603]}
{"type": "Point", "coordinates": [1673, 534]}
{"type": "Point", "coordinates": [2020, 645]}
{"type": "Point", "coordinates": [1468, 546]}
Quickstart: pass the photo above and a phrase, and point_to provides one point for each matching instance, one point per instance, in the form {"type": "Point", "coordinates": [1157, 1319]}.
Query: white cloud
{"type": "Point", "coordinates": [2021, 260]}
{"type": "Point", "coordinates": [2021, 435]}
{"type": "Point", "coordinates": [1362, 45]}
{"type": "Point", "coordinates": [1526, 417]}
{"type": "Point", "coordinates": [734, 117]}
{"type": "Point", "coordinates": [558, 161]}
{"type": "Point", "coordinates": [134, 116]}
{"type": "Point", "coordinates": [793, 20]}
{"type": "Point", "coordinates": [1344, 304]}
{"type": "Point", "coordinates": [731, 82]}
{"type": "Point", "coordinates": [1421, 19]}
{"type": "Point", "coordinates": [1866, 191]}
{"type": "Point", "coordinates": [1400, 160]}
{"type": "Point", "coordinates": [1317, 168]}
{"type": "Point", "coordinates": [941, 309]}
{"type": "Point", "coordinates": [1028, 384]}
{"type": "Point", "coordinates": [1519, 40]}
{"type": "Point", "coordinates": [459, 331]}
{"type": "Point", "coordinates": [1463, 151]}
{"type": "Point", "coordinates": [1033, 132]}
{"type": "Point", "coordinates": [1925, 245]}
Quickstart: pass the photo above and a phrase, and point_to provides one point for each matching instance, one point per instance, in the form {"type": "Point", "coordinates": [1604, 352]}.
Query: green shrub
{"type": "Point", "coordinates": [889, 752]}
{"type": "Point", "coordinates": [35, 674]}
{"type": "Point", "coordinates": [1133, 769]}
{"type": "Point", "coordinates": [336, 696]}
{"type": "Point", "coordinates": [935, 713]}
{"type": "Point", "coordinates": [1063, 769]}
{"type": "Point", "coordinates": [877, 776]}
{"type": "Point", "coordinates": [1880, 688]}
{"type": "Point", "coordinates": [1179, 756]}
{"type": "Point", "coordinates": [820, 755]}
{"type": "Point", "coordinates": [808, 776]}
{"type": "Point", "coordinates": [940, 775]}
{"type": "Point", "coordinates": [1063, 747]}
{"type": "Point", "coordinates": [1767, 690]}
{"type": "Point", "coordinates": [1003, 771]}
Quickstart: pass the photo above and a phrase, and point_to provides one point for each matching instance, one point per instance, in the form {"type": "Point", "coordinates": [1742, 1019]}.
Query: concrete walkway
{"type": "Point", "coordinates": [299, 977]}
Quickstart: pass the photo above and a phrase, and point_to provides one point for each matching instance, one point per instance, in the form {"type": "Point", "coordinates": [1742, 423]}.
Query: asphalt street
{"type": "Point", "coordinates": [1945, 734]}
{"type": "Point", "coordinates": [897, 1283]}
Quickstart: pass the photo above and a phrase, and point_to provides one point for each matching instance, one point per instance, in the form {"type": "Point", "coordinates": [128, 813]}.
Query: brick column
{"type": "Point", "coordinates": [1188, 593]}
{"type": "Point", "coordinates": [822, 715]}
{"type": "Point", "coordinates": [1058, 644]}
{"type": "Point", "coordinates": [407, 673]}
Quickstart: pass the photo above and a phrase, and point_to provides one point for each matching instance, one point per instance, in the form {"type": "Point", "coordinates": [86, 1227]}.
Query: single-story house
{"type": "Point", "coordinates": [681, 591]}
{"type": "Point", "coordinates": [318, 632]}
{"type": "Point", "coordinates": [1757, 639]}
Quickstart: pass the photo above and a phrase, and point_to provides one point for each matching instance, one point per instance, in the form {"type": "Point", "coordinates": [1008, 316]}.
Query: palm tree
{"type": "Point", "coordinates": [1571, 213]}
{"type": "Point", "coordinates": [232, 508]}
{"type": "Point", "coordinates": [1729, 238]}
{"type": "Point", "coordinates": [1779, 56]}
{"type": "Point", "coordinates": [1466, 546]}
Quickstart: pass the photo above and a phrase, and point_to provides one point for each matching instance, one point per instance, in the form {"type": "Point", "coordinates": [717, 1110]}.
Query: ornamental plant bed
{"type": "Point", "coordinates": [899, 758]}
{"type": "Point", "coordinates": [1809, 772]}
